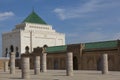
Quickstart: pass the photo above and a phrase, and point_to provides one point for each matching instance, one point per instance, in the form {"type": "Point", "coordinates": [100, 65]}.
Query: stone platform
{"type": "Point", "coordinates": [61, 75]}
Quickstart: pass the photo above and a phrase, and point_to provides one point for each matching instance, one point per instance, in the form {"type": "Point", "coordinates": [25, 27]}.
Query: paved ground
{"type": "Point", "coordinates": [61, 75]}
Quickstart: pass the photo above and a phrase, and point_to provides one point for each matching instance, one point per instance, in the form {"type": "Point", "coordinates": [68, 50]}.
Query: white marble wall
{"type": "Point", "coordinates": [40, 35]}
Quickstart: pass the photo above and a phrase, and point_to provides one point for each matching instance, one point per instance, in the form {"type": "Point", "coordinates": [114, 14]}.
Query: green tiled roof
{"type": "Point", "coordinates": [34, 18]}
{"type": "Point", "coordinates": [56, 49]}
{"type": "Point", "coordinates": [100, 45]}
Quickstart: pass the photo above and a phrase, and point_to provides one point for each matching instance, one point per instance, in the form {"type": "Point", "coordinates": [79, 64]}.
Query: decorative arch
{"type": "Point", "coordinates": [111, 62]}
{"type": "Point", "coordinates": [17, 53]}
{"type": "Point", "coordinates": [11, 48]}
{"type": "Point", "coordinates": [45, 46]}
{"type": "Point", "coordinates": [6, 52]}
{"type": "Point", "coordinates": [55, 63]}
{"type": "Point", "coordinates": [90, 63]}
{"type": "Point", "coordinates": [27, 49]}
{"type": "Point", "coordinates": [75, 63]}
{"type": "Point", "coordinates": [99, 64]}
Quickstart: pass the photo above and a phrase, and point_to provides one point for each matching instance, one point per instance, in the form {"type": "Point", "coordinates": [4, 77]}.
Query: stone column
{"type": "Point", "coordinates": [6, 66]}
{"type": "Point", "coordinates": [69, 64]}
{"type": "Point", "coordinates": [25, 68]}
{"type": "Point", "coordinates": [37, 65]}
{"type": "Point", "coordinates": [44, 65]}
{"type": "Point", "coordinates": [104, 63]}
{"type": "Point", "coordinates": [12, 63]}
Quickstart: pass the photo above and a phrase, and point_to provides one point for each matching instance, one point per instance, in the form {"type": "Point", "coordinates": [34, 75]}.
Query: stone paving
{"type": "Point", "coordinates": [61, 75]}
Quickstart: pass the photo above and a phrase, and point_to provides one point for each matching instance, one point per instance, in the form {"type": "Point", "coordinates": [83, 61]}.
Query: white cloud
{"type": "Point", "coordinates": [6, 15]}
{"type": "Point", "coordinates": [84, 9]}
{"type": "Point", "coordinates": [60, 12]}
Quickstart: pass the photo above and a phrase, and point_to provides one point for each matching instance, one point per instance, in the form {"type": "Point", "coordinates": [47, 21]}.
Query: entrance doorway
{"type": "Point", "coordinates": [75, 63]}
{"type": "Point", "coordinates": [99, 64]}
{"type": "Point", "coordinates": [55, 64]}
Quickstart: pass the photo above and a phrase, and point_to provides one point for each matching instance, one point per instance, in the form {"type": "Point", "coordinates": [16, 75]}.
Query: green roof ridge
{"type": "Point", "coordinates": [103, 44]}
{"type": "Point", "coordinates": [52, 49]}
{"type": "Point", "coordinates": [34, 18]}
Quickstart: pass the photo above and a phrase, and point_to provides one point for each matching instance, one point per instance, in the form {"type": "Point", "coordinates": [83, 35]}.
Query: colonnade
{"type": "Point", "coordinates": [26, 64]}
{"type": "Point", "coordinates": [26, 67]}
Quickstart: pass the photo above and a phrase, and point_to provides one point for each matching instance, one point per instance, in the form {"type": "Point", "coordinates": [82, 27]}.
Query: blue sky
{"type": "Point", "coordinates": [80, 20]}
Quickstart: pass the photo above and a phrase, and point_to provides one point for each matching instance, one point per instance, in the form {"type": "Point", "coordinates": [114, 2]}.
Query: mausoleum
{"type": "Point", "coordinates": [32, 32]}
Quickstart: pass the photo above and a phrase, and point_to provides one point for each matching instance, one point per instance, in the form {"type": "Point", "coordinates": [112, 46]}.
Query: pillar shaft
{"type": "Point", "coordinates": [5, 66]}
{"type": "Point", "coordinates": [12, 63]}
{"type": "Point", "coordinates": [104, 64]}
{"type": "Point", "coordinates": [69, 66]}
{"type": "Point", "coordinates": [37, 65]}
{"type": "Point", "coordinates": [44, 65]}
{"type": "Point", "coordinates": [25, 68]}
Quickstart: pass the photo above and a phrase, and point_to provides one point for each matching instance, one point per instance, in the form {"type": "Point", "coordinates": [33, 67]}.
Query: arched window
{"type": "Point", "coordinates": [56, 64]}
{"type": "Point", "coordinates": [27, 49]}
{"type": "Point", "coordinates": [45, 46]}
{"type": "Point", "coordinates": [6, 52]}
{"type": "Point", "coordinates": [11, 48]}
{"type": "Point", "coordinates": [17, 53]}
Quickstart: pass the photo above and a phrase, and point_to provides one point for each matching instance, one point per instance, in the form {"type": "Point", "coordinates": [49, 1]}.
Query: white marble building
{"type": "Point", "coordinates": [32, 32]}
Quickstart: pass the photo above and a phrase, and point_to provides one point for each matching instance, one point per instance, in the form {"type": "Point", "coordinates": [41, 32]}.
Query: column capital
{"type": "Point", "coordinates": [44, 53]}
{"type": "Point", "coordinates": [12, 53]}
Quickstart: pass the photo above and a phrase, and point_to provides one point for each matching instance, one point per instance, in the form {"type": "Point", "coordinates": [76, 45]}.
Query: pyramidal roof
{"type": "Point", "coordinates": [34, 18]}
